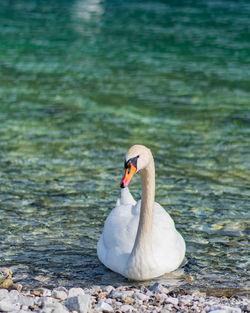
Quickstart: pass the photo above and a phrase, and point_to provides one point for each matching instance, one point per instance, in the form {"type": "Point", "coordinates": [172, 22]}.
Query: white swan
{"type": "Point", "coordinates": [139, 240]}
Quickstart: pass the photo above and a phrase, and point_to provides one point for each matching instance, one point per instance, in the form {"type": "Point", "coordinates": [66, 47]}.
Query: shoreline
{"type": "Point", "coordinates": [155, 298]}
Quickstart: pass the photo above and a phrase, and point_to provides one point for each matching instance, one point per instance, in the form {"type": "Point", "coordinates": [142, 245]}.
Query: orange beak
{"type": "Point", "coordinates": [129, 173]}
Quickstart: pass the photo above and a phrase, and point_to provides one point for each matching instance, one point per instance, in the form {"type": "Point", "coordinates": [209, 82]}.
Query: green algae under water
{"type": "Point", "coordinates": [81, 81]}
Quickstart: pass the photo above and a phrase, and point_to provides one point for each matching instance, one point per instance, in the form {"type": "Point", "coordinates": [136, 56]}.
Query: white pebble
{"type": "Point", "coordinates": [224, 309]}
{"type": "Point", "coordinates": [14, 295]}
{"type": "Point", "coordinates": [3, 294]}
{"type": "Point", "coordinates": [80, 303]}
{"type": "Point", "coordinates": [108, 289]}
{"type": "Point", "coordinates": [109, 301]}
{"type": "Point", "coordinates": [74, 292]}
{"type": "Point", "coordinates": [172, 300]}
{"type": "Point", "coordinates": [46, 293]}
{"type": "Point", "coordinates": [44, 301]}
{"type": "Point", "coordinates": [142, 296]}
{"type": "Point", "coordinates": [7, 306]}
{"type": "Point", "coordinates": [126, 308]}
{"type": "Point", "coordinates": [54, 308]}
{"type": "Point", "coordinates": [59, 294]}
{"type": "Point", "coordinates": [158, 288]}
{"type": "Point", "coordinates": [102, 306]}
{"type": "Point", "coordinates": [116, 294]}
{"type": "Point", "coordinates": [26, 300]}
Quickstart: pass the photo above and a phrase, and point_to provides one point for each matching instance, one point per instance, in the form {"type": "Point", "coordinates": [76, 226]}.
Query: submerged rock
{"type": "Point", "coordinates": [5, 278]}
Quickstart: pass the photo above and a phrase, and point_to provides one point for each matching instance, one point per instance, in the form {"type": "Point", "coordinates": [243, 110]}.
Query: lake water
{"type": "Point", "coordinates": [80, 82]}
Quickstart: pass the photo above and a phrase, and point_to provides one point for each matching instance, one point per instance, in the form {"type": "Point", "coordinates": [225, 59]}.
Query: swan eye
{"type": "Point", "coordinates": [127, 164]}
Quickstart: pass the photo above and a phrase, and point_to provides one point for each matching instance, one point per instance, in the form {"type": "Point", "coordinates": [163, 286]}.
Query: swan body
{"type": "Point", "coordinates": [139, 239]}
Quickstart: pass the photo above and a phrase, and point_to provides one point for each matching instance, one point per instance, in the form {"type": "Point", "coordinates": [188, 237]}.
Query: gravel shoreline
{"type": "Point", "coordinates": [156, 298]}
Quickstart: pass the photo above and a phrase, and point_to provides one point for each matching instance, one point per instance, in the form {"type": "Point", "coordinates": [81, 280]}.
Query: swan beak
{"type": "Point", "coordinates": [129, 173]}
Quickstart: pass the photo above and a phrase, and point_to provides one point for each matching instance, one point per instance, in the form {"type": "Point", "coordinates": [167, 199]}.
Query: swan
{"type": "Point", "coordinates": [139, 239]}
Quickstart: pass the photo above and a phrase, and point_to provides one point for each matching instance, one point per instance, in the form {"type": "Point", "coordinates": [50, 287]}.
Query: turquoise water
{"type": "Point", "coordinates": [81, 81]}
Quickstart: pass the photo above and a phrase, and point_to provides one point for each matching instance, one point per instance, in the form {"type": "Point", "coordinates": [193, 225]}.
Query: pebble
{"type": "Point", "coordinates": [43, 301]}
{"type": "Point", "coordinates": [8, 306]}
{"type": "Point", "coordinates": [26, 301]}
{"type": "Point", "coordinates": [5, 278]}
{"type": "Point", "coordinates": [74, 292]}
{"type": "Point", "coordinates": [172, 300]}
{"type": "Point", "coordinates": [142, 296]}
{"type": "Point", "coordinates": [159, 288]}
{"type": "Point", "coordinates": [116, 294]}
{"type": "Point", "coordinates": [104, 307]}
{"type": "Point", "coordinates": [46, 292]}
{"type": "Point", "coordinates": [154, 299]}
{"type": "Point", "coordinates": [126, 308]}
{"type": "Point", "coordinates": [59, 293]}
{"type": "Point", "coordinates": [224, 309]}
{"type": "Point", "coordinates": [3, 294]}
{"type": "Point", "coordinates": [54, 308]}
{"type": "Point", "coordinates": [79, 303]}
{"type": "Point", "coordinates": [108, 289]}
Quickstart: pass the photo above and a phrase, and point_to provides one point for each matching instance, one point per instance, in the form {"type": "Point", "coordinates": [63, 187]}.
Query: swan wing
{"type": "Point", "coordinates": [118, 236]}
{"type": "Point", "coordinates": [168, 245]}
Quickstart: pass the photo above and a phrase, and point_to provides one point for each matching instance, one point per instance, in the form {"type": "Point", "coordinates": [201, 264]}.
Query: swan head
{"type": "Point", "coordinates": [137, 158]}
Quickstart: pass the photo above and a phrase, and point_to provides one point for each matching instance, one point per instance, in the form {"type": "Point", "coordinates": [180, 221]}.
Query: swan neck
{"type": "Point", "coordinates": [141, 262]}
{"type": "Point", "coordinates": [148, 188]}
{"type": "Point", "coordinates": [144, 233]}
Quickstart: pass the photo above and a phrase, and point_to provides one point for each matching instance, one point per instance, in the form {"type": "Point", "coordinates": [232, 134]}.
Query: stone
{"type": "Point", "coordinates": [172, 300]}
{"type": "Point", "coordinates": [13, 295]}
{"type": "Point", "coordinates": [46, 292]}
{"type": "Point", "coordinates": [186, 300]}
{"type": "Point", "coordinates": [109, 301]}
{"type": "Point", "coordinates": [28, 301]}
{"type": "Point", "coordinates": [108, 289]}
{"type": "Point", "coordinates": [5, 278]}
{"type": "Point", "coordinates": [102, 306]}
{"type": "Point", "coordinates": [223, 309]}
{"type": "Point", "coordinates": [158, 288]}
{"type": "Point", "coordinates": [149, 293]}
{"type": "Point", "coordinates": [126, 308]}
{"type": "Point", "coordinates": [17, 287]}
{"type": "Point", "coordinates": [43, 301]}
{"type": "Point", "coordinates": [8, 306]}
{"type": "Point", "coordinates": [59, 293]}
{"type": "Point", "coordinates": [79, 303]}
{"type": "Point", "coordinates": [24, 307]}
{"type": "Point", "coordinates": [4, 293]}
{"type": "Point", "coordinates": [115, 294]}
{"type": "Point", "coordinates": [74, 292]}
{"type": "Point", "coordinates": [142, 296]}
{"type": "Point", "coordinates": [36, 293]}
{"type": "Point", "coordinates": [159, 299]}
{"type": "Point", "coordinates": [245, 307]}
{"type": "Point", "coordinates": [54, 308]}
{"type": "Point", "coordinates": [102, 295]}
{"type": "Point", "coordinates": [129, 300]}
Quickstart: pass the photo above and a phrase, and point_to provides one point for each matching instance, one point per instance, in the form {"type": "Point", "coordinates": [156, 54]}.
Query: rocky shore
{"type": "Point", "coordinates": [156, 298]}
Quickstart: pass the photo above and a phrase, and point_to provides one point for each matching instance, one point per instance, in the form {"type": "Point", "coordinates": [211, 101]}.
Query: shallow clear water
{"type": "Point", "coordinates": [81, 81]}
